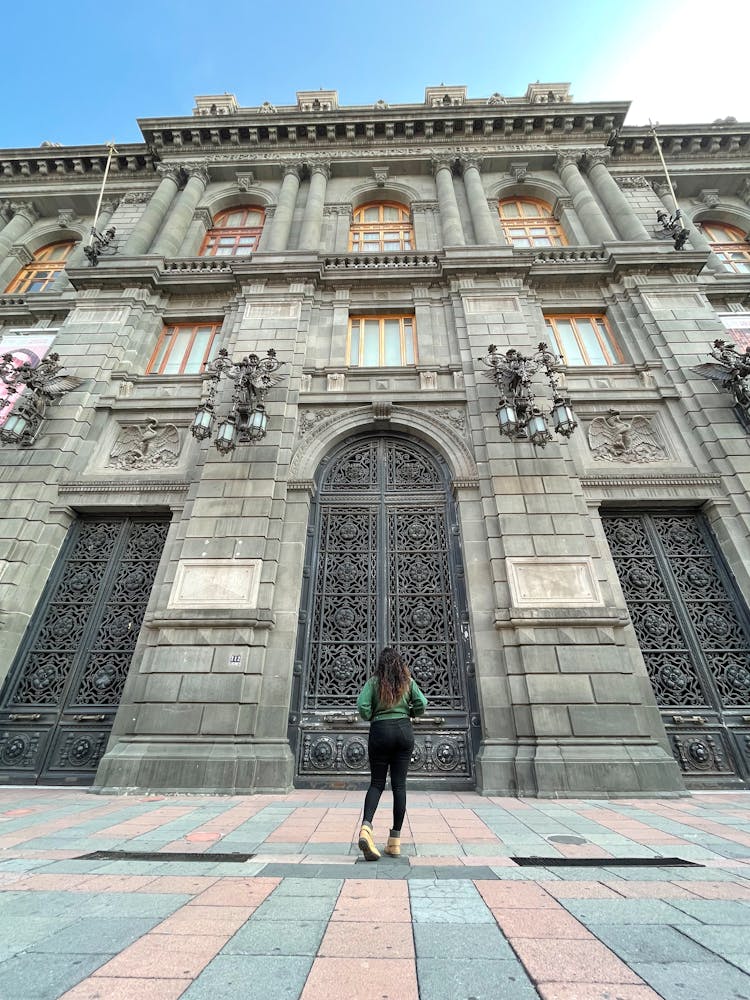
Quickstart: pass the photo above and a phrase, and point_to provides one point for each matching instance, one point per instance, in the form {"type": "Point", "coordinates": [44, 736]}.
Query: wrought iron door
{"type": "Point", "coordinates": [383, 568]}
{"type": "Point", "coordinates": [694, 632]}
{"type": "Point", "coordinates": [62, 692]}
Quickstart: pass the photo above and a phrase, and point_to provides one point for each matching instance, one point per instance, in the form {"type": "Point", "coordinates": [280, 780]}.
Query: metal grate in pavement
{"type": "Point", "coordinates": [162, 856]}
{"type": "Point", "coordinates": [606, 863]}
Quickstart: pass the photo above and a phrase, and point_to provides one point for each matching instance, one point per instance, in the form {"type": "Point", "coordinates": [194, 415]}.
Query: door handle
{"type": "Point", "coordinates": [688, 720]}
{"type": "Point", "coordinates": [430, 720]}
{"type": "Point", "coordinates": [15, 717]}
{"type": "Point", "coordinates": [340, 718]}
{"type": "Point", "coordinates": [89, 718]}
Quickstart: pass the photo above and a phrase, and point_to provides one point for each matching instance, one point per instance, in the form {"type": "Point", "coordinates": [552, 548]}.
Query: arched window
{"type": "Point", "coordinates": [381, 227]}
{"type": "Point", "coordinates": [235, 232]}
{"type": "Point", "coordinates": [730, 244]}
{"type": "Point", "coordinates": [40, 274]}
{"type": "Point", "coordinates": [528, 222]}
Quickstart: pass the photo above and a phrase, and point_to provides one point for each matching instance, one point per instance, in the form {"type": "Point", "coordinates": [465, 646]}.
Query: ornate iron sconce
{"type": "Point", "coordinates": [99, 242]}
{"type": "Point", "coordinates": [247, 420]}
{"type": "Point", "coordinates": [672, 226]}
{"type": "Point", "coordinates": [731, 371]}
{"type": "Point", "coordinates": [43, 384]}
{"type": "Point", "coordinates": [519, 416]}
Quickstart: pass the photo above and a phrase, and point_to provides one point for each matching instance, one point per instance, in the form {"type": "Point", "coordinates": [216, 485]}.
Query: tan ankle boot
{"type": "Point", "coordinates": [393, 847]}
{"type": "Point", "coordinates": [366, 844]}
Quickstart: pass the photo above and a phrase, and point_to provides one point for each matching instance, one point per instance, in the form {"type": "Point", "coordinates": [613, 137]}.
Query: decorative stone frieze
{"type": "Point", "coordinates": [146, 446]}
{"type": "Point", "coordinates": [614, 439]}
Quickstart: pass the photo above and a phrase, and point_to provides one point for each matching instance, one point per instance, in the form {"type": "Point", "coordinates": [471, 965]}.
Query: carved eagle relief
{"type": "Point", "coordinates": [146, 446]}
{"type": "Point", "coordinates": [612, 439]}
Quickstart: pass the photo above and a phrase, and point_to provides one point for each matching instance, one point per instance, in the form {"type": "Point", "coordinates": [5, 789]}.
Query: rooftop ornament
{"type": "Point", "coordinates": [518, 414]}
{"type": "Point", "coordinates": [99, 242]}
{"type": "Point", "coordinates": [672, 226]}
{"type": "Point", "coordinates": [731, 372]}
{"type": "Point", "coordinates": [247, 420]}
{"type": "Point", "coordinates": [42, 383]}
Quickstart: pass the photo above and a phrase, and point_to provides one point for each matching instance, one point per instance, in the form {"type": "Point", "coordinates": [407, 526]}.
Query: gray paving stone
{"type": "Point", "coordinates": [695, 980]}
{"type": "Point", "coordinates": [17, 904]}
{"type": "Point", "coordinates": [724, 940]}
{"type": "Point", "coordinates": [244, 977]}
{"type": "Point", "coordinates": [125, 904]}
{"type": "Point", "coordinates": [465, 979]}
{"type": "Point", "coordinates": [295, 908]}
{"type": "Point", "coordinates": [481, 941]}
{"type": "Point", "coordinates": [626, 911]}
{"type": "Point", "coordinates": [269, 937]}
{"type": "Point", "coordinates": [93, 936]}
{"type": "Point", "coordinates": [27, 977]}
{"type": "Point", "coordinates": [716, 911]}
{"type": "Point", "coordinates": [650, 943]}
{"type": "Point", "coordinates": [448, 902]}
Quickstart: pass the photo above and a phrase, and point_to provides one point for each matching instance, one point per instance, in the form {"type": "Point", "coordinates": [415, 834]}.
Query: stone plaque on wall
{"type": "Point", "coordinates": [553, 582]}
{"type": "Point", "coordinates": [216, 583]}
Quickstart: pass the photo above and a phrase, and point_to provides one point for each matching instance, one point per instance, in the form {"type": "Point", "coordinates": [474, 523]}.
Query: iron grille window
{"type": "Point", "coordinates": [381, 341]}
{"type": "Point", "coordinates": [184, 349]}
{"type": "Point", "coordinates": [584, 339]}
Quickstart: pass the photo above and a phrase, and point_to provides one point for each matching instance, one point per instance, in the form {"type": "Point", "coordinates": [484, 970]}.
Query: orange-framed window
{"type": "Point", "coordinates": [584, 339]}
{"type": "Point", "coordinates": [381, 341]}
{"type": "Point", "coordinates": [381, 227]}
{"type": "Point", "coordinates": [184, 349]}
{"type": "Point", "coordinates": [528, 222]}
{"type": "Point", "coordinates": [235, 232]}
{"type": "Point", "coordinates": [737, 326]}
{"type": "Point", "coordinates": [730, 244]}
{"type": "Point", "coordinates": [40, 274]}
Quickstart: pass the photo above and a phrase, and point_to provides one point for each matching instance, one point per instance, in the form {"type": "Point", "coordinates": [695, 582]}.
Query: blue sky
{"type": "Point", "coordinates": [80, 71]}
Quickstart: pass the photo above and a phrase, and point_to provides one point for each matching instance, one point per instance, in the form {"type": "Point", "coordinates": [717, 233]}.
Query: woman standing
{"type": "Point", "coordinates": [389, 701]}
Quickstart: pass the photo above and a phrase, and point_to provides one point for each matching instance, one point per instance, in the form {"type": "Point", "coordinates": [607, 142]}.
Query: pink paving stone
{"type": "Point", "coordinates": [205, 920]}
{"type": "Point", "coordinates": [540, 923]}
{"type": "Point", "coordinates": [578, 890]}
{"type": "Point", "coordinates": [596, 991]}
{"type": "Point", "coordinates": [165, 956]}
{"type": "Point", "coordinates": [513, 895]}
{"type": "Point", "coordinates": [443, 860]}
{"type": "Point", "coordinates": [361, 979]}
{"type": "Point", "coordinates": [717, 890]}
{"type": "Point", "coordinates": [571, 961]}
{"type": "Point", "coordinates": [115, 883]}
{"type": "Point", "coordinates": [48, 883]}
{"type": "Point", "coordinates": [582, 851]}
{"type": "Point", "coordinates": [191, 885]}
{"type": "Point", "coordinates": [109, 988]}
{"type": "Point", "coordinates": [382, 940]}
{"type": "Point", "coordinates": [237, 892]}
{"type": "Point", "coordinates": [653, 890]}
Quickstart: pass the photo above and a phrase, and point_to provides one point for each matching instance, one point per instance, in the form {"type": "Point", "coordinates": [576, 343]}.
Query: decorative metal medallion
{"type": "Point", "coordinates": [694, 633]}
{"type": "Point", "coordinates": [385, 569]}
{"type": "Point", "coordinates": [63, 690]}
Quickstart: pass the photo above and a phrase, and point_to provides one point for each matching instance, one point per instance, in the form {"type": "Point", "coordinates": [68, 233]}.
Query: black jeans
{"type": "Point", "coordinates": [390, 744]}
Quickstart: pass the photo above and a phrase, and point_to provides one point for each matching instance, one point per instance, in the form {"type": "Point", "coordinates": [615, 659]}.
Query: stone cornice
{"type": "Point", "coordinates": [683, 142]}
{"type": "Point", "coordinates": [57, 163]}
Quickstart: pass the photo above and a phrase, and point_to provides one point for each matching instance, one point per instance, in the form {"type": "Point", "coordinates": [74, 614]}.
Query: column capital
{"type": "Point", "coordinates": [595, 157]}
{"type": "Point", "coordinates": [203, 216]}
{"type": "Point", "coordinates": [25, 208]}
{"type": "Point", "coordinates": [425, 205]}
{"type": "Point", "coordinates": [22, 255]}
{"type": "Point", "coordinates": [197, 169]}
{"type": "Point", "coordinates": [109, 207]}
{"type": "Point", "coordinates": [337, 208]}
{"type": "Point", "coordinates": [5, 211]}
{"type": "Point", "coordinates": [566, 159]}
{"type": "Point", "coordinates": [744, 191]}
{"type": "Point", "coordinates": [467, 162]}
{"type": "Point", "coordinates": [320, 167]}
{"type": "Point", "coordinates": [445, 162]}
{"type": "Point", "coordinates": [632, 182]}
{"type": "Point", "coordinates": [171, 171]}
{"type": "Point", "coordinates": [291, 167]}
{"type": "Point", "coordinates": [661, 188]}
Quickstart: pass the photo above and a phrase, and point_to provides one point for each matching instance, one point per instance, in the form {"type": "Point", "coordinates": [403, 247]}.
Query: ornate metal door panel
{"type": "Point", "coordinates": [62, 692]}
{"type": "Point", "coordinates": [383, 567]}
{"type": "Point", "coordinates": [694, 633]}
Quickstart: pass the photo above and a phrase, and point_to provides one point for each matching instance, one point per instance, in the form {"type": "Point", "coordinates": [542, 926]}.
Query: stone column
{"type": "Point", "coordinates": [150, 222]}
{"type": "Point", "coordinates": [282, 220]}
{"type": "Point", "coordinates": [313, 221]}
{"type": "Point", "coordinates": [484, 227]}
{"type": "Point", "coordinates": [450, 217]}
{"type": "Point", "coordinates": [181, 215]}
{"type": "Point", "coordinates": [24, 217]}
{"type": "Point", "coordinates": [597, 228]}
{"type": "Point", "coordinates": [620, 211]}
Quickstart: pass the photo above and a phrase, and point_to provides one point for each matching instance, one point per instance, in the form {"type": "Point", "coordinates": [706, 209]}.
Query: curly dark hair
{"type": "Point", "coordinates": [393, 677]}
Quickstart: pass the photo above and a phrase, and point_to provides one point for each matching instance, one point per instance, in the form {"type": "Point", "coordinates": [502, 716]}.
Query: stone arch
{"type": "Point", "coordinates": [230, 196]}
{"type": "Point", "coordinates": [397, 191]}
{"type": "Point", "coordinates": [435, 432]}
{"type": "Point", "coordinates": [730, 214]}
{"type": "Point", "coordinates": [46, 232]}
{"type": "Point", "coordinates": [533, 187]}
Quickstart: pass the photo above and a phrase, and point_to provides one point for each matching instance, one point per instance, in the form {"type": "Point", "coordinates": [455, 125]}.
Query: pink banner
{"type": "Point", "coordinates": [30, 347]}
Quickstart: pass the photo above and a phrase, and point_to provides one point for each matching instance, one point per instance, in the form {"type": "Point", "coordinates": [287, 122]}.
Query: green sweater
{"type": "Point", "coordinates": [411, 704]}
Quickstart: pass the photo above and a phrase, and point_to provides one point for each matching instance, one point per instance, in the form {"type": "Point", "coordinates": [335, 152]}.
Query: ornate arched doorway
{"type": "Point", "coordinates": [383, 567]}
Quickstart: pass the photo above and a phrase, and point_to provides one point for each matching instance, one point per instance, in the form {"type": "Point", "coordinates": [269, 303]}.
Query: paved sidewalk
{"type": "Point", "coordinates": [456, 918]}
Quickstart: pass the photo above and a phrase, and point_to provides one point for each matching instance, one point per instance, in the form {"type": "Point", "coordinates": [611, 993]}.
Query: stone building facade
{"type": "Point", "coordinates": [180, 619]}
